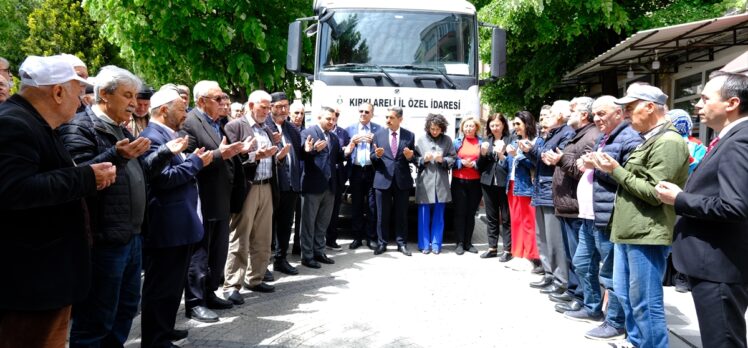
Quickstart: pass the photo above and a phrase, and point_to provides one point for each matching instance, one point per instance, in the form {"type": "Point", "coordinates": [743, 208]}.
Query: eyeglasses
{"type": "Point", "coordinates": [281, 107]}
{"type": "Point", "coordinates": [364, 112]}
{"type": "Point", "coordinates": [217, 99]}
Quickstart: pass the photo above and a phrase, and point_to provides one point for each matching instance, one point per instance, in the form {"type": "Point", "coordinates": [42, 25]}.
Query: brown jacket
{"type": "Point", "coordinates": [567, 175]}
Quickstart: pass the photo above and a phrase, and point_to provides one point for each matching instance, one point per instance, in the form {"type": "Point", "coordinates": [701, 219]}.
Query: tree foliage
{"type": "Point", "coordinates": [548, 38]}
{"type": "Point", "coordinates": [240, 44]}
{"type": "Point", "coordinates": [15, 27]}
{"type": "Point", "coordinates": [62, 26]}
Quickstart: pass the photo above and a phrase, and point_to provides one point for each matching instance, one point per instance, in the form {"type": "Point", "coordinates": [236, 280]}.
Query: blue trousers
{"type": "Point", "coordinates": [595, 248]}
{"type": "Point", "coordinates": [637, 279]}
{"type": "Point", "coordinates": [430, 226]}
{"type": "Point", "coordinates": [570, 232]}
{"type": "Point", "coordinates": [104, 318]}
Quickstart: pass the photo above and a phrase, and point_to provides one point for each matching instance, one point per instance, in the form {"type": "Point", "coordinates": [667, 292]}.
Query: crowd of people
{"type": "Point", "coordinates": [104, 178]}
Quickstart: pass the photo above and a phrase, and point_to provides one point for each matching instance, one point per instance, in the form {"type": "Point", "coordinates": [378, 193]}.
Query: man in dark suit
{"type": "Point", "coordinates": [322, 153]}
{"type": "Point", "coordinates": [289, 180]}
{"type": "Point", "coordinates": [342, 174]}
{"type": "Point", "coordinates": [711, 243]}
{"type": "Point", "coordinates": [391, 156]}
{"type": "Point", "coordinates": [44, 246]}
{"type": "Point", "coordinates": [174, 221]}
{"type": "Point", "coordinates": [215, 182]}
{"type": "Point", "coordinates": [361, 176]}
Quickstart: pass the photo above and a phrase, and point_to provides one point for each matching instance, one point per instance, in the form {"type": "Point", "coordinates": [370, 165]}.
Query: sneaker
{"type": "Point", "coordinates": [334, 246]}
{"type": "Point", "coordinates": [583, 315]}
{"type": "Point", "coordinates": [606, 332]}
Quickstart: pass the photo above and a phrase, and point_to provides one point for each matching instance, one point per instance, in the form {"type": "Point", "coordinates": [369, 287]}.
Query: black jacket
{"type": "Point", "coordinates": [89, 141]}
{"type": "Point", "coordinates": [491, 166]}
{"type": "Point", "coordinates": [44, 243]}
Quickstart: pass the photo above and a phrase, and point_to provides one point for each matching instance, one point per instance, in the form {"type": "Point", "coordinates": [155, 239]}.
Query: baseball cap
{"type": "Point", "coordinates": [74, 61]}
{"type": "Point", "coordinates": [643, 92]}
{"type": "Point", "coordinates": [164, 96]}
{"type": "Point", "coordinates": [45, 71]}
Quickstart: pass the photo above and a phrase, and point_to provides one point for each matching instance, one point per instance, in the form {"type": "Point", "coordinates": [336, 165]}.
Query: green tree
{"type": "Point", "coordinates": [546, 39]}
{"type": "Point", "coordinates": [62, 26]}
{"type": "Point", "coordinates": [240, 44]}
{"type": "Point", "coordinates": [15, 28]}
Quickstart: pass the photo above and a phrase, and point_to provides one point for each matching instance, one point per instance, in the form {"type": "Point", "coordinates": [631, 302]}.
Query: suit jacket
{"type": "Point", "coordinates": [289, 176]}
{"type": "Point", "coordinates": [320, 168]}
{"type": "Point", "coordinates": [711, 234]}
{"type": "Point", "coordinates": [215, 180]}
{"type": "Point", "coordinates": [238, 130]}
{"type": "Point", "coordinates": [172, 197]}
{"type": "Point", "coordinates": [42, 215]}
{"type": "Point", "coordinates": [342, 170]}
{"type": "Point", "coordinates": [352, 131]}
{"type": "Point", "coordinates": [390, 169]}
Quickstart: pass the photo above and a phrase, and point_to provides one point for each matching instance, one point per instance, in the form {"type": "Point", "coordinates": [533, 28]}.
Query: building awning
{"type": "Point", "coordinates": [738, 65]}
{"type": "Point", "coordinates": [674, 45]}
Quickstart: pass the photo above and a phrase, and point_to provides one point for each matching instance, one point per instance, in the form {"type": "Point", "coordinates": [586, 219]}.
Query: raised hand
{"type": "Point", "coordinates": [229, 150]}
{"type": "Point", "coordinates": [604, 162]}
{"type": "Point", "coordinates": [248, 143]}
{"type": "Point", "coordinates": [105, 174]}
{"type": "Point", "coordinates": [276, 137]}
{"type": "Point", "coordinates": [511, 150]}
{"type": "Point", "coordinates": [283, 152]}
{"type": "Point", "coordinates": [205, 156]}
{"type": "Point", "coordinates": [408, 153]}
{"type": "Point", "coordinates": [133, 149]}
{"type": "Point", "coordinates": [428, 156]}
{"type": "Point", "coordinates": [378, 151]}
{"type": "Point", "coordinates": [308, 144]}
{"type": "Point", "coordinates": [467, 163]}
{"type": "Point", "coordinates": [178, 145]}
{"type": "Point", "coordinates": [320, 145]}
{"type": "Point", "coordinates": [525, 145]}
{"type": "Point", "coordinates": [484, 148]}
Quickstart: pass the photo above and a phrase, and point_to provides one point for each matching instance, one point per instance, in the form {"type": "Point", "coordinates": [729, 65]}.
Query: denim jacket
{"type": "Point", "coordinates": [522, 174]}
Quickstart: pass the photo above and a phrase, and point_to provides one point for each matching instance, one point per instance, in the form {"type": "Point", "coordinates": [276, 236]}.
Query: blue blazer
{"type": "Point", "coordinates": [289, 178]}
{"type": "Point", "coordinates": [172, 197]}
{"type": "Point", "coordinates": [389, 169]}
{"type": "Point", "coordinates": [320, 167]}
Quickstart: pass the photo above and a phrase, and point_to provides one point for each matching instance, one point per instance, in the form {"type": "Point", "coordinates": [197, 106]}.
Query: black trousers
{"type": "Point", "coordinates": [283, 222]}
{"type": "Point", "coordinates": [389, 202]}
{"type": "Point", "coordinates": [297, 225]}
{"type": "Point", "coordinates": [720, 308]}
{"type": "Point", "coordinates": [207, 263]}
{"type": "Point", "coordinates": [466, 195]}
{"type": "Point", "coordinates": [331, 234]}
{"type": "Point", "coordinates": [497, 215]}
{"type": "Point", "coordinates": [165, 274]}
{"type": "Point", "coordinates": [363, 203]}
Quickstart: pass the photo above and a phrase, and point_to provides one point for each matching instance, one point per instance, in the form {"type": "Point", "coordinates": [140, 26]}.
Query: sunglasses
{"type": "Point", "coordinates": [516, 123]}
{"type": "Point", "coordinates": [297, 112]}
{"type": "Point", "coordinates": [217, 99]}
{"type": "Point", "coordinates": [364, 111]}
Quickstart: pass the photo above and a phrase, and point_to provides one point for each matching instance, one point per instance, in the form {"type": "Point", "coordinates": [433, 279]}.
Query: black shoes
{"type": "Point", "coordinates": [560, 298]}
{"type": "Point", "coordinates": [310, 263]}
{"type": "Point", "coordinates": [282, 265]}
{"type": "Point", "coordinates": [324, 259]}
{"type": "Point", "coordinates": [262, 287]}
{"type": "Point", "coordinates": [372, 244]}
{"type": "Point", "coordinates": [355, 244]}
{"type": "Point", "coordinates": [333, 246]}
{"type": "Point", "coordinates": [235, 297]}
{"type": "Point", "coordinates": [403, 249]}
{"type": "Point", "coordinates": [381, 248]}
{"type": "Point", "coordinates": [568, 306]}
{"type": "Point", "coordinates": [471, 249]}
{"type": "Point", "coordinates": [553, 289]}
{"type": "Point", "coordinates": [214, 302]}
{"type": "Point", "coordinates": [176, 335]}
{"type": "Point", "coordinates": [489, 254]}
{"type": "Point", "coordinates": [541, 283]}
{"type": "Point", "coordinates": [459, 250]}
{"type": "Point", "coordinates": [202, 314]}
{"type": "Point", "coordinates": [268, 277]}
{"type": "Point", "coordinates": [505, 257]}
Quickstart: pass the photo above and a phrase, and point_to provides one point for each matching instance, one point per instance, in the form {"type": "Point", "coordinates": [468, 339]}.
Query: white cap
{"type": "Point", "coordinates": [164, 96]}
{"type": "Point", "coordinates": [73, 60]}
{"type": "Point", "coordinates": [45, 71]}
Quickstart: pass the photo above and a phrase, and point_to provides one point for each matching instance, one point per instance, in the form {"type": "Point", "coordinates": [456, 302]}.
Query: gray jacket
{"type": "Point", "coordinates": [432, 182]}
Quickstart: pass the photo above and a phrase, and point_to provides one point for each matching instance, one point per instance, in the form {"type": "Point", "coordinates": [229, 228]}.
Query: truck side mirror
{"type": "Point", "coordinates": [498, 53]}
{"type": "Point", "coordinates": [293, 54]}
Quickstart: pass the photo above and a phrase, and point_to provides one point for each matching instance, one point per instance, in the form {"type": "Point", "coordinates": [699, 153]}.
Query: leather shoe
{"type": "Point", "coordinates": [176, 335]}
{"type": "Point", "coordinates": [489, 254]}
{"type": "Point", "coordinates": [235, 297]}
{"type": "Point", "coordinates": [560, 298]}
{"type": "Point", "coordinates": [262, 287]}
{"type": "Point", "coordinates": [311, 263]}
{"type": "Point", "coordinates": [471, 249]}
{"type": "Point", "coordinates": [355, 244]}
{"type": "Point", "coordinates": [372, 244]}
{"type": "Point", "coordinates": [553, 289]}
{"type": "Point", "coordinates": [459, 250]}
{"type": "Point", "coordinates": [381, 248]}
{"type": "Point", "coordinates": [202, 314]}
{"type": "Point", "coordinates": [281, 265]}
{"type": "Point", "coordinates": [268, 277]}
{"type": "Point", "coordinates": [214, 302]}
{"type": "Point", "coordinates": [568, 306]}
{"type": "Point", "coordinates": [324, 259]}
{"type": "Point", "coordinates": [505, 257]}
{"type": "Point", "coordinates": [403, 249]}
{"type": "Point", "coordinates": [543, 282]}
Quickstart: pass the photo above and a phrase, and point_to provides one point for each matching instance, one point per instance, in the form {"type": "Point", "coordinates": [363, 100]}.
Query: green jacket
{"type": "Point", "coordinates": [639, 217]}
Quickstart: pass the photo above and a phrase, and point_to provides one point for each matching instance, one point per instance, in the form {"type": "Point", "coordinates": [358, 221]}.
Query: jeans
{"type": "Point", "coordinates": [570, 232]}
{"type": "Point", "coordinates": [595, 247]}
{"type": "Point", "coordinates": [430, 226]}
{"type": "Point", "coordinates": [637, 279]}
{"type": "Point", "coordinates": [104, 318]}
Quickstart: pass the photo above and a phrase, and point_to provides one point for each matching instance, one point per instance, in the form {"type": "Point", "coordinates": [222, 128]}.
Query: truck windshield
{"type": "Point", "coordinates": [403, 41]}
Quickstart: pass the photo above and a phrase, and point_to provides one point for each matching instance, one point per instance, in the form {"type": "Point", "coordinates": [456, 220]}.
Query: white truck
{"type": "Point", "coordinates": [419, 55]}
